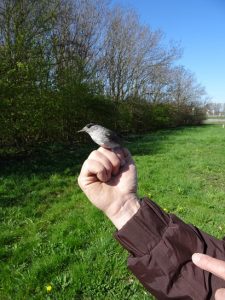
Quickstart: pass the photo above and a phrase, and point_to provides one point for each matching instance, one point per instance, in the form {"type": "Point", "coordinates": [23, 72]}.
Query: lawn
{"type": "Point", "coordinates": [52, 237]}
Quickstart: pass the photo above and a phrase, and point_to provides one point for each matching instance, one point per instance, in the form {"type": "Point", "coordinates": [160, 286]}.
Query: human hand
{"type": "Point", "coordinates": [214, 266]}
{"type": "Point", "coordinates": [109, 180]}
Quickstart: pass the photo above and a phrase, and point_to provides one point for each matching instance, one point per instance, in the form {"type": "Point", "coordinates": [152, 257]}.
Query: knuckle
{"type": "Point", "coordinates": [116, 162]}
{"type": "Point", "coordinates": [79, 180]}
{"type": "Point", "coordinates": [86, 163]}
{"type": "Point", "coordinates": [102, 169]}
{"type": "Point", "coordinates": [93, 154]}
{"type": "Point", "coordinates": [109, 166]}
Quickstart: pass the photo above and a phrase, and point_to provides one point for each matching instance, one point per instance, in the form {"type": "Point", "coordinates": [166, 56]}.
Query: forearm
{"type": "Point", "coordinates": [161, 246]}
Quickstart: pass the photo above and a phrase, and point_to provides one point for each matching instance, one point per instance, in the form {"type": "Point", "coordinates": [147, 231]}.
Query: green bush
{"type": "Point", "coordinates": [32, 114]}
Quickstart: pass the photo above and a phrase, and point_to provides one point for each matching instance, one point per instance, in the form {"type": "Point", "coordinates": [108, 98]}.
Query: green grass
{"type": "Point", "coordinates": [51, 235]}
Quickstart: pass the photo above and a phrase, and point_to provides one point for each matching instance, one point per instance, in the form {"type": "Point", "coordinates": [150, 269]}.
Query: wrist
{"type": "Point", "coordinates": [127, 210]}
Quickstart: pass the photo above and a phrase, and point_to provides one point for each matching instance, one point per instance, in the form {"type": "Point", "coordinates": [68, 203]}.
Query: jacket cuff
{"type": "Point", "coordinates": [144, 230]}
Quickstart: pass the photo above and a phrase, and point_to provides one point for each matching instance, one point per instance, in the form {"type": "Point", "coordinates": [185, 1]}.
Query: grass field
{"type": "Point", "coordinates": [51, 236]}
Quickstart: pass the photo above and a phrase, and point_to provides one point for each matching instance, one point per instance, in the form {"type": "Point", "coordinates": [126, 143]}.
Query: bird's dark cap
{"type": "Point", "coordinates": [90, 125]}
{"type": "Point", "coordinates": [87, 126]}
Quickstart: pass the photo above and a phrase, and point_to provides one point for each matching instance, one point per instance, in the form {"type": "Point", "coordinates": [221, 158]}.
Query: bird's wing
{"type": "Point", "coordinates": [112, 136]}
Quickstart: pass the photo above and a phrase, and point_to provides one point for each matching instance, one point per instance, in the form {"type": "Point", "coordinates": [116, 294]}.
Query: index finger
{"type": "Point", "coordinates": [210, 264]}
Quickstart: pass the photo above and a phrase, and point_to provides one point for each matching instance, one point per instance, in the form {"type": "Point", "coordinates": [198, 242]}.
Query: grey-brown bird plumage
{"type": "Point", "coordinates": [102, 136]}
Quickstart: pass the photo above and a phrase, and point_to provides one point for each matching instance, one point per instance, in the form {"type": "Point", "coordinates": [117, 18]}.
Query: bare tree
{"type": "Point", "coordinates": [184, 88]}
{"type": "Point", "coordinates": [77, 36]}
{"type": "Point", "coordinates": [132, 55]}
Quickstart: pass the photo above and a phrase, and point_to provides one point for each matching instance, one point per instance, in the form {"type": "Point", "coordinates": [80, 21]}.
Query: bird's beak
{"type": "Point", "coordinates": [82, 130]}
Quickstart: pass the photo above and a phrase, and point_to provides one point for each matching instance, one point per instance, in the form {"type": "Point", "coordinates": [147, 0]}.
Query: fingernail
{"type": "Point", "coordinates": [196, 257]}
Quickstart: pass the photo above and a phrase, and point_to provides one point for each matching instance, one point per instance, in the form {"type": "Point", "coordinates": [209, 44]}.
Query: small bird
{"type": "Point", "coordinates": [102, 136]}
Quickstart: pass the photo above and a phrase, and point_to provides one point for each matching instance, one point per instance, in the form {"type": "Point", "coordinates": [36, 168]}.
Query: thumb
{"type": "Point", "coordinates": [210, 264]}
{"type": "Point", "coordinates": [220, 294]}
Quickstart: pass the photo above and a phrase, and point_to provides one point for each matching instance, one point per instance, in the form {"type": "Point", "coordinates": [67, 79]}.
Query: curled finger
{"type": "Point", "coordinates": [92, 171]}
{"type": "Point", "coordinates": [113, 157]}
{"type": "Point", "coordinates": [100, 157]}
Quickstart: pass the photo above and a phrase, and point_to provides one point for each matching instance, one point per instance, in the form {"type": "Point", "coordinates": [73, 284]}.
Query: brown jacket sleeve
{"type": "Point", "coordinates": [161, 246]}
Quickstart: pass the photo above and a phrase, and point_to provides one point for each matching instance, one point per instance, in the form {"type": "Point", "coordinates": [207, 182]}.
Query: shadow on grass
{"type": "Point", "coordinates": [45, 162]}
{"type": "Point", "coordinates": [29, 177]}
{"type": "Point", "coordinates": [51, 159]}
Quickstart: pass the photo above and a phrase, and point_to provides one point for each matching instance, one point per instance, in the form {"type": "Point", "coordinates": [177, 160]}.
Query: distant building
{"type": "Point", "coordinates": [215, 109]}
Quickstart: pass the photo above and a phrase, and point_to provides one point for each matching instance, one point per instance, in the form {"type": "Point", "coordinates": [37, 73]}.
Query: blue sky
{"type": "Point", "coordinates": [199, 26]}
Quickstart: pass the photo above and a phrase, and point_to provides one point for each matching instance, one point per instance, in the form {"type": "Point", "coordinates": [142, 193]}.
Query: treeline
{"type": "Point", "coordinates": [65, 63]}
